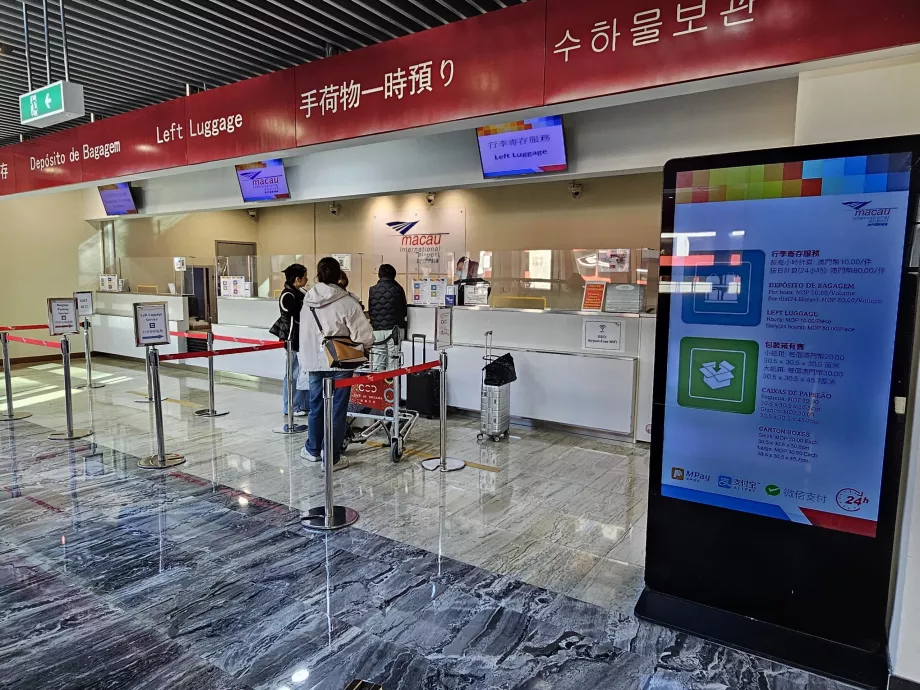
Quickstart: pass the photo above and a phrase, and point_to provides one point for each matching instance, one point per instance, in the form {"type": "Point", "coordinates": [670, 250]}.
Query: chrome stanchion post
{"type": "Point", "coordinates": [162, 459]}
{"type": "Point", "coordinates": [70, 434]}
{"type": "Point", "coordinates": [88, 349]}
{"type": "Point", "coordinates": [212, 410]}
{"type": "Point", "coordinates": [290, 427]}
{"type": "Point", "coordinates": [9, 415]}
{"type": "Point", "coordinates": [444, 463]}
{"type": "Point", "coordinates": [149, 398]}
{"type": "Point", "coordinates": [329, 516]}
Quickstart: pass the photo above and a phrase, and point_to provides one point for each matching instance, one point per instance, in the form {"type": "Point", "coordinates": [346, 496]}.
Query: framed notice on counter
{"type": "Point", "coordinates": [84, 303]}
{"type": "Point", "coordinates": [475, 294]}
{"type": "Point", "coordinates": [603, 335]}
{"type": "Point", "coordinates": [593, 299]}
{"type": "Point", "coordinates": [151, 324]}
{"type": "Point", "coordinates": [108, 283]}
{"type": "Point", "coordinates": [62, 316]}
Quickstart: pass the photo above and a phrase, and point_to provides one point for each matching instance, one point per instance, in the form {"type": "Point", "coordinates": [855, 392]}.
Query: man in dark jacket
{"type": "Point", "coordinates": [388, 311]}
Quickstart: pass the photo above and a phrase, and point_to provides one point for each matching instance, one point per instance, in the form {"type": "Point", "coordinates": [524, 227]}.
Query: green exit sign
{"type": "Point", "coordinates": [52, 104]}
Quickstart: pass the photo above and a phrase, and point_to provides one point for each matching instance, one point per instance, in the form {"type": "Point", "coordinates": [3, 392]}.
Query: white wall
{"type": "Point", "coordinates": [878, 99]}
{"type": "Point", "coordinates": [623, 139]}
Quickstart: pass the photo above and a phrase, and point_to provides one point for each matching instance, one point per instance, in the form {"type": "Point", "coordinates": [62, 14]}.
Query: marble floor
{"type": "Point", "coordinates": [520, 571]}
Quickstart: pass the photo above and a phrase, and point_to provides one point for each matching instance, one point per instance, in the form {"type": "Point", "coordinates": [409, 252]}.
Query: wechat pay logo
{"type": "Point", "coordinates": [717, 376]}
{"type": "Point", "coordinates": [772, 490]}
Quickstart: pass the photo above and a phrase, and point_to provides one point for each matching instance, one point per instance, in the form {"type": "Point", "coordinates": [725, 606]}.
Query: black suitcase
{"type": "Point", "coordinates": [423, 390]}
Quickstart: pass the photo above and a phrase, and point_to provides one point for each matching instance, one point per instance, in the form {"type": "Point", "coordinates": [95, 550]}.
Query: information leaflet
{"type": "Point", "coordinates": [784, 301]}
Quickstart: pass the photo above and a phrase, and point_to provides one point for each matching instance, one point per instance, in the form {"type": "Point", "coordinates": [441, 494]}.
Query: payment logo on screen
{"type": "Point", "coordinates": [727, 290]}
{"type": "Point", "coordinates": [718, 374]}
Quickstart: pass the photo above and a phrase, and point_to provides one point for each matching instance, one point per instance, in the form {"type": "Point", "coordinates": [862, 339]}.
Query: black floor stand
{"type": "Point", "coordinates": [824, 657]}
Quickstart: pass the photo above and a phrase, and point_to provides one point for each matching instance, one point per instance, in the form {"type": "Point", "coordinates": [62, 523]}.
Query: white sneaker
{"type": "Point", "coordinates": [304, 455]}
{"type": "Point", "coordinates": [340, 465]}
{"type": "Point", "coordinates": [300, 413]}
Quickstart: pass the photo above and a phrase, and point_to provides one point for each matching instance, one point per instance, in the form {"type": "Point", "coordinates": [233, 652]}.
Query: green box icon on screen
{"type": "Point", "coordinates": [718, 374]}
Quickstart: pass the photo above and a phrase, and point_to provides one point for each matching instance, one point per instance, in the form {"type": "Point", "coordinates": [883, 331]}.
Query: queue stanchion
{"type": "Point", "coordinates": [9, 415]}
{"type": "Point", "coordinates": [70, 434]}
{"type": "Point", "coordinates": [329, 516]}
{"type": "Point", "coordinates": [149, 399]}
{"type": "Point", "coordinates": [211, 411]}
{"type": "Point", "coordinates": [444, 463]}
{"type": "Point", "coordinates": [88, 349]}
{"type": "Point", "coordinates": [162, 459]}
{"type": "Point", "coordinates": [289, 427]}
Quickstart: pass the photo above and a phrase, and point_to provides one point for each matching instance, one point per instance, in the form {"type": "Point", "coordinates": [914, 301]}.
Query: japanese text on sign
{"type": "Point", "coordinates": [347, 96]}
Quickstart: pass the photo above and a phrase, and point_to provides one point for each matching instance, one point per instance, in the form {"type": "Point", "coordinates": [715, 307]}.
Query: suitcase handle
{"type": "Point", "coordinates": [416, 336]}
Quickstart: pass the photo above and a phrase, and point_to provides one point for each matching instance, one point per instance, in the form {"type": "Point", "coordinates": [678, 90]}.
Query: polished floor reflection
{"type": "Point", "coordinates": [518, 572]}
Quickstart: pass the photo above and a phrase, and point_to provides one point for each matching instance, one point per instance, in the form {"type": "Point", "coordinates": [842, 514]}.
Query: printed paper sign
{"type": "Point", "coordinates": [151, 324]}
{"type": "Point", "coordinates": [444, 334]}
{"type": "Point", "coordinates": [179, 263]}
{"type": "Point", "coordinates": [603, 335]}
{"type": "Point", "coordinates": [62, 316]}
{"type": "Point", "coordinates": [344, 261]}
{"type": "Point", "coordinates": [84, 303]}
{"type": "Point", "coordinates": [593, 299]}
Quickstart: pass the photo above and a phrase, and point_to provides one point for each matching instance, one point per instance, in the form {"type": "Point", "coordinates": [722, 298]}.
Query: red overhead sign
{"type": "Point", "coordinates": [252, 116]}
{"type": "Point", "coordinates": [490, 64]}
{"type": "Point", "coordinates": [135, 142]}
{"type": "Point", "coordinates": [541, 52]}
{"type": "Point", "coordinates": [597, 47]}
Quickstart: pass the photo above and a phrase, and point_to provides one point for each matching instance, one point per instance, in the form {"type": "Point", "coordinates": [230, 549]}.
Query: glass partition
{"type": "Point", "coordinates": [555, 278]}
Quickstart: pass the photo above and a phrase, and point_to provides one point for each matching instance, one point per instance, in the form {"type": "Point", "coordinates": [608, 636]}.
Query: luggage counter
{"type": "Point", "coordinates": [582, 369]}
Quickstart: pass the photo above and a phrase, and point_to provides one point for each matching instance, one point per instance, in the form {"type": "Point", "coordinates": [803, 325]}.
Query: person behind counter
{"type": "Point", "coordinates": [468, 274]}
{"type": "Point", "coordinates": [388, 309]}
{"type": "Point", "coordinates": [290, 303]}
{"type": "Point", "coordinates": [333, 312]}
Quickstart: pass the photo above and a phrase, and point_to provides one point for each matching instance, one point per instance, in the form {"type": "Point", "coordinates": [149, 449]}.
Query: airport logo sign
{"type": "Point", "coordinates": [403, 227]}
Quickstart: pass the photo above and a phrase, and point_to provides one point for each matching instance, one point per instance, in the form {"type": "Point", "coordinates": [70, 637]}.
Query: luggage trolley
{"type": "Point", "coordinates": [495, 402]}
{"type": "Point", "coordinates": [380, 403]}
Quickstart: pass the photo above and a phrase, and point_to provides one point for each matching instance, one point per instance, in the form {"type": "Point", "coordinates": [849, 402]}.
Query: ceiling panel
{"type": "Point", "coordinates": [128, 54]}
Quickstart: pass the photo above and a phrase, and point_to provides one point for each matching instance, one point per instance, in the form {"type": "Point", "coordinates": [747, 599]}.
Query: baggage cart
{"type": "Point", "coordinates": [379, 404]}
{"type": "Point", "coordinates": [495, 403]}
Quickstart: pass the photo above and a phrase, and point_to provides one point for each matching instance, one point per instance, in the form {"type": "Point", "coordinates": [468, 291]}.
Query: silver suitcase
{"type": "Point", "coordinates": [495, 404]}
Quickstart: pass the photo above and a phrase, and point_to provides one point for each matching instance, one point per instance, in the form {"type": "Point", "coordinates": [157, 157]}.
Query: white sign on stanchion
{"type": "Point", "coordinates": [84, 303]}
{"type": "Point", "coordinates": [443, 335]}
{"type": "Point", "coordinates": [151, 324]}
{"type": "Point", "coordinates": [62, 316]}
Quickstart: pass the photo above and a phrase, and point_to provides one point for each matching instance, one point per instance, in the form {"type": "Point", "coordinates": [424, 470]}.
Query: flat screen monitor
{"type": "Point", "coordinates": [118, 199]}
{"type": "Point", "coordinates": [263, 181]}
{"type": "Point", "coordinates": [525, 147]}
{"type": "Point", "coordinates": [784, 290]}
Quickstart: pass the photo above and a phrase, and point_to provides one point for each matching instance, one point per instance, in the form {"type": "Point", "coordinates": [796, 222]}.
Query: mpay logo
{"type": "Point", "coordinates": [863, 211]}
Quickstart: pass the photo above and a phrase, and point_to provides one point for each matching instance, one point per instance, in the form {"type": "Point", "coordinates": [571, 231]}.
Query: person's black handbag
{"type": "Point", "coordinates": [423, 389]}
{"type": "Point", "coordinates": [282, 327]}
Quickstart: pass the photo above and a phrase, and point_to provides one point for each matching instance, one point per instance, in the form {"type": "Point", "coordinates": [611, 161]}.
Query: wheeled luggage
{"type": "Point", "coordinates": [423, 389]}
{"type": "Point", "coordinates": [495, 395]}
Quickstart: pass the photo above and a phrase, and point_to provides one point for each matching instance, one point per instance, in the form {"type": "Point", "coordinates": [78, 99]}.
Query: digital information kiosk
{"type": "Point", "coordinates": [782, 367]}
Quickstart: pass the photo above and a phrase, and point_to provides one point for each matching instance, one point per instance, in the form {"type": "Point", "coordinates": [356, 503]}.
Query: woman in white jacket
{"type": "Point", "coordinates": [328, 311]}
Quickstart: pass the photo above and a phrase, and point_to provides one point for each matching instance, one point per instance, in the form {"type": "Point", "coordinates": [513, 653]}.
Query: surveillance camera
{"type": "Point", "coordinates": [334, 208]}
{"type": "Point", "coordinates": [253, 214]}
{"type": "Point", "coordinates": [430, 198]}
{"type": "Point", "coordinates": [575, 190]}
